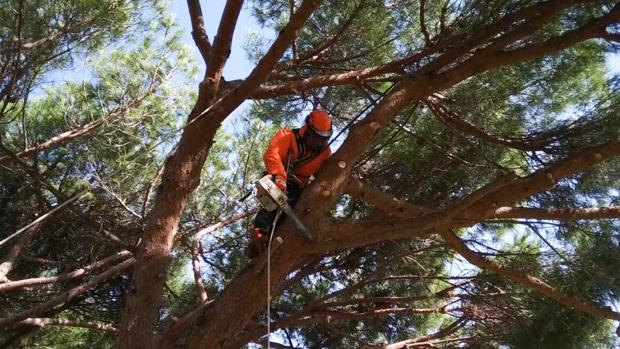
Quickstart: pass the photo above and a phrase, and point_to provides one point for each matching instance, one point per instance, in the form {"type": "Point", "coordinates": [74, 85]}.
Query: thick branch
{"type": "Point", "coordinates": [285, 38]}
{"type": "Point", "coordinates": [182, 173]}
{"type": "Point", "coordinates": [381, 200]}
{"type": "Point", "coordinates": [351, 77]}
{"type": "Point", "coordinates": [546, 178]}
{"type": "Point", "coordinates": [461, 48]}
{"type": "Point", "coordinates": [353, 233]}
{"type": "Point", "coordinates": [526, 280]}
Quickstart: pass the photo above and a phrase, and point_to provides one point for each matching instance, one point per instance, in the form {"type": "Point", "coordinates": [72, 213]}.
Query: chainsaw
{"type": "Point", "coordinates": [270, 197]}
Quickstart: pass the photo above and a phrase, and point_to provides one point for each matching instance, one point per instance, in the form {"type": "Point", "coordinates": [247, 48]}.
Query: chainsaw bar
{"type": "Point", "coordinates": [271, 197]}
{"type": "Point", "coordinates": [302, 228]}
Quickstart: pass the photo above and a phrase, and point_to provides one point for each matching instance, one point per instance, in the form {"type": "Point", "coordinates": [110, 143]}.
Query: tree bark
{"type": "Point", "coordinates": [180, 179]}
{"type": "Point", "coordinates": [226, 316]}
{"type": "Point", "coordinates": [220, 322]}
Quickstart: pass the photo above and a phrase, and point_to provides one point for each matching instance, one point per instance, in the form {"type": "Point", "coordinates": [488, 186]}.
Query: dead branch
{"type": "Point", "coordinates": [38, 260]}
{"type": "Point", "coordinates": [428, 343]}
{"type": "Point", "coordinates": [45, 216]}
{"type": "Point", "coordinates": [381, 200]}
{"type": "Point", "coordinates": [116, 196]}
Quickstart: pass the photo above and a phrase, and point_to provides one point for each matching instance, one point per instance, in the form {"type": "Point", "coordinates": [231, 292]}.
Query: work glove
{"type": "Point", "coordinates": [280, 182]}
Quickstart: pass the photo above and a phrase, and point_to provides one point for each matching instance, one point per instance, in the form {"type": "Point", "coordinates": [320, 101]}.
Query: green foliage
{"type": "Point", "coordinates": [137, 96]}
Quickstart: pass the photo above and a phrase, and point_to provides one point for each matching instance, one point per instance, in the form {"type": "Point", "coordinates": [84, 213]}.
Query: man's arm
{"type": "Point", "coordinates": [275, 156]}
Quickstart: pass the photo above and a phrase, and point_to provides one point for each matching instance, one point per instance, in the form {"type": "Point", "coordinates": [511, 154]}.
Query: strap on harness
{"type": "Point", "coordinates": [303, 158]}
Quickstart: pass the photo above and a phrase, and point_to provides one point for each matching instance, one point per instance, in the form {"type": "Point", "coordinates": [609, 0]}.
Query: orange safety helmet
{"type": "Point", "coordinates": [319, 122]}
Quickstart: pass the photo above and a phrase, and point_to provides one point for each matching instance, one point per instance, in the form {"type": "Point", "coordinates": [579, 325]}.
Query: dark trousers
{"type": "Point", "coordinates": [264, 219]}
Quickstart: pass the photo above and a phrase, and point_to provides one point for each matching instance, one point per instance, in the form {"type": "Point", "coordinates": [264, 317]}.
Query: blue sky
{"type": "Point", "coordinates": [238, 66]}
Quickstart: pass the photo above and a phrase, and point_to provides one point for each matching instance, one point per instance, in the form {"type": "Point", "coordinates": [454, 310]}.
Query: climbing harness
{"type": "Point", "coordinates": [271, 197]}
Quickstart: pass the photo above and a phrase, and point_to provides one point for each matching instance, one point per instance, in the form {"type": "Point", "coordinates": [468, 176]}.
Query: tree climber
{"type": "Point", "coordinates": [293, 156]}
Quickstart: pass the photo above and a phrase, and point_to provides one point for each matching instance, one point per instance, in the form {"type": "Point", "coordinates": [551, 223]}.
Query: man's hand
{"type": "Point", "coordinates": [280, 182]}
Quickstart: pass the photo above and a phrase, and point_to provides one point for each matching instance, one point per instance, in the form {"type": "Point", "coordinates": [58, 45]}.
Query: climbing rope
{"type": "Point", "coordinates": [273, 228]}
{"type": "Point", "coordinates": [279, 212]}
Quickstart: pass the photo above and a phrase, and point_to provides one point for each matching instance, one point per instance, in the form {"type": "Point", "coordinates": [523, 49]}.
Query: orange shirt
{"type": "Point", "coordinates": [286, 145]}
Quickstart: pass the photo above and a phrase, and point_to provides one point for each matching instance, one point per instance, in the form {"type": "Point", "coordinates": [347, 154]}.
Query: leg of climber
{"type": "Point", "coordinates": [259, 235]}
{"type": "Point", "coordinates": [264, 220]}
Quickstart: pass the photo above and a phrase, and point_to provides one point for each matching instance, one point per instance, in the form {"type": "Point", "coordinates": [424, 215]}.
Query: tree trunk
{"type": "Point", "coordinates": [181, 176]}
